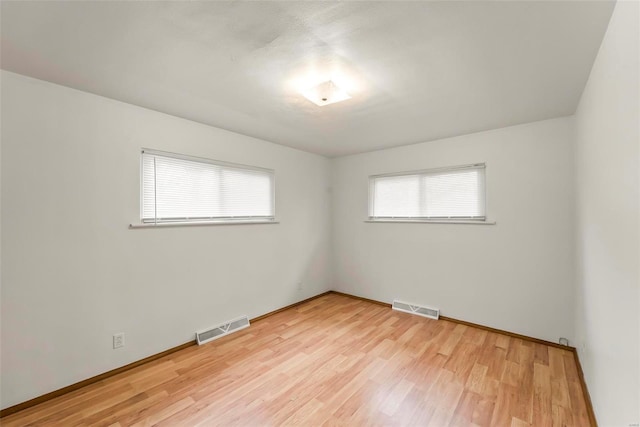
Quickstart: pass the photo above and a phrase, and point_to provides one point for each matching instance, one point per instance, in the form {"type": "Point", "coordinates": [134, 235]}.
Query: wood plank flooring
{"type": "Point", "coordinates": [336, 361]}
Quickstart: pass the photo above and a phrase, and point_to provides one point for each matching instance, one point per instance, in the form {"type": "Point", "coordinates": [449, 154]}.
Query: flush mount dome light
{"type": "Point", "coordinates": [325, 93]}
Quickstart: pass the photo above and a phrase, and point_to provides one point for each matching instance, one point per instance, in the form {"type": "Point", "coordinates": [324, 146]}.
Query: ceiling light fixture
{"type": "Point", "coordinates": [325, 93]}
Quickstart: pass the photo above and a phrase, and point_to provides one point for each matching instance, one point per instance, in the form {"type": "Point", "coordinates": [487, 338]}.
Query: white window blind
{"type": "Point", "coordinates": [178, 188]}
{"type": "Point", "coordinates": [456, 193]}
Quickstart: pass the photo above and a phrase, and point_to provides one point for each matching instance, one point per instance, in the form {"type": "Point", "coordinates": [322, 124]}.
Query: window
{"type": "Point", "coordinates": [178, 188]}
{"type": "Point", "coordinates": [448, 194]}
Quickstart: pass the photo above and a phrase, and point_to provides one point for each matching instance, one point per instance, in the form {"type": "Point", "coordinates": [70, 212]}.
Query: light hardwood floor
{"type": "Point", "coordinates": [336, 361]}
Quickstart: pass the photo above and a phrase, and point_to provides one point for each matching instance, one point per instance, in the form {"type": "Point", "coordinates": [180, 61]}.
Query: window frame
{"type": "Point", "coordinates": [232, 220]}
{"type": "Point", "coordinates": [436, 220]}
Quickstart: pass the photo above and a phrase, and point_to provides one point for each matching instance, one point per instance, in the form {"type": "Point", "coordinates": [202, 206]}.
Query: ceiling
{"type": "Point", "coordinates": [416, 71]}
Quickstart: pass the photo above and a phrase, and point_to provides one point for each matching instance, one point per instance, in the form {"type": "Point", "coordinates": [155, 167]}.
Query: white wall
{"type": "Point", "coordinates": [608, 223]}
{"type": "Point", "coordinates": [73, 273]}
{"type": "Point", "coordinates": [516, 275]}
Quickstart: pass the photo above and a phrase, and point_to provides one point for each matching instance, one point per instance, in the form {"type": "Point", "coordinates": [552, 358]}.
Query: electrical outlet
{"type": "Point", "coordinates": [118, 340]}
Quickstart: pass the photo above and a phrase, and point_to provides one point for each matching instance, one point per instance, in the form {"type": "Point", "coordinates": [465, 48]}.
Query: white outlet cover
{"type": "Point", "coordinates": [118, 340]}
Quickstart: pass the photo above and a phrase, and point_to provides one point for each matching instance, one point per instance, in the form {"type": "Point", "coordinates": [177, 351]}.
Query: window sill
{"type": "Point", "coordinates": [199, 223]}
{"type": "Point", "coordinates": [422, 221]}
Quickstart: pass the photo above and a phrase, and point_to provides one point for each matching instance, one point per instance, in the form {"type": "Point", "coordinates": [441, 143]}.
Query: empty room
{"type": "Point", "coordinates": [358, 213]}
